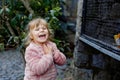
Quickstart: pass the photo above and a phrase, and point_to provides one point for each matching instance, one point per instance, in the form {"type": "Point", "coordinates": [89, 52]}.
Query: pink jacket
{"type": "Point", "coordinates": [40, 66]}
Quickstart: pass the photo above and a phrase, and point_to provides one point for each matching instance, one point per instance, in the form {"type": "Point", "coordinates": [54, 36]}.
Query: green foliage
{"type": "Point", "coordinates": [14, 17]}
{"type": "Point", "coordinates": [62, 45]}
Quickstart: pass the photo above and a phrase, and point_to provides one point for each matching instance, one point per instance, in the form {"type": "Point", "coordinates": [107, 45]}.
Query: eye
{"type": "Point", "coordinates": [36, 29]}
{"type": "Point", "coordinates": [44, 28]}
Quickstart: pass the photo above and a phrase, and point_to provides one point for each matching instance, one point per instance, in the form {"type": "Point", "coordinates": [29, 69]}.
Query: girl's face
{"type": "Point", "coordinates": [40, 34]}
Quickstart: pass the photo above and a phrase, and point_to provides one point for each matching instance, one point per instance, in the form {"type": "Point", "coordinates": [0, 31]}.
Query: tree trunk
{"type": "Point", "coordinates": [27, 6]}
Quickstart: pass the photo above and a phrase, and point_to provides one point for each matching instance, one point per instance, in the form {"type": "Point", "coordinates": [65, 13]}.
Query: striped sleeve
{"type": "Point", "coordinates": [59, 57]}
{"type": "Point", "coordinates": [39, 64]}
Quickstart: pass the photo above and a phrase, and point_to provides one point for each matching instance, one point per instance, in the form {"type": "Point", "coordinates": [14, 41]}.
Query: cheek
{"type": "Point", "coordinates": [47, 32]}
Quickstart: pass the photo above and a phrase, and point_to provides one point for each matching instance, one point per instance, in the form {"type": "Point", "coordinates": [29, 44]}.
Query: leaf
{"type": "Point", "coordinates": [1, 46]}
{"type": "Point", "coordinates": [1, 11]}
{"type": "Point", "coordinates": [18, 16]}
{"type": "Point", "coordinates": [16, 39]}
{"type": "Point", "coordinates": [7, 9]}
{"type": "Point", "coordinates": [30, 16]}
{"type": "Point", "coordinates": [52, 12]}
{"type": "Point", "coordinates": [22, 35]}
{"type": "Point", "coordinates": [13, 21]}
{"type": "Point", "coordinates": [46, 9]}
{"type": "Point", "coordinates": [39, 3]}
{"type": "Point", "coordinates": [57, 9]}
{"type": "Point", "coordinates": [62, 49]}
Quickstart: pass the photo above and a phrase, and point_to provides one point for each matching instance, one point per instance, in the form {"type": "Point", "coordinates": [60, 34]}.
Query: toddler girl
{"type": "Point", "coordinates": [41, 54]}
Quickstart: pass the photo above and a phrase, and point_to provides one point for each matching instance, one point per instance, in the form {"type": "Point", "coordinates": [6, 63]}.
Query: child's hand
{"type": "Point", "coordinates": [47, 49]}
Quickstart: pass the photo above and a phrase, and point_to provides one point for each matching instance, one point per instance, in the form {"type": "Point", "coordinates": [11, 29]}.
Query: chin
{"type": "Point", "coordinates": [43, 41]}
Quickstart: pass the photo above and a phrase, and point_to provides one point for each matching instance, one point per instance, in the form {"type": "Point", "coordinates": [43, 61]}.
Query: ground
{"type": "Point", "coordinates": [12, 67]}
{"type": "Point", "coordinates": [65, 72]}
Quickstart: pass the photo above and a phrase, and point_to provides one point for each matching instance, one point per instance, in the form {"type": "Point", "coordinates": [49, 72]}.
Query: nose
{"type": "Point", "coordinates": [41, 30]}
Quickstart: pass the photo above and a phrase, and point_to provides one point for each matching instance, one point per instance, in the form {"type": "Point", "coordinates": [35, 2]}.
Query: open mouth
{"type": "Point", "coordinates": [43, 36]}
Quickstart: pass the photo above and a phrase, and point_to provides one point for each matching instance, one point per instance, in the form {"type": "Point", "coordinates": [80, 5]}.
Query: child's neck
{"type": "Point", "coordinates": [40, 44]}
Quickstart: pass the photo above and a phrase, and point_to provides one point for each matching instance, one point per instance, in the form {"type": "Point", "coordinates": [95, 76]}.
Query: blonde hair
{"type": "Point", "coordinates": [33, 24]}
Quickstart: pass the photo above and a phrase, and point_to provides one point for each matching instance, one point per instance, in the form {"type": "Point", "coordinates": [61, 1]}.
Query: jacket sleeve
{"type": "Point", "coordinates": [59, 57]}
{"type": "Point", "coordinates": [37, 63]}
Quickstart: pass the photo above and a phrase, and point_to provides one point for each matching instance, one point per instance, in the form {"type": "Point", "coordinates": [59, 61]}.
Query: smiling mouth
{"type": "Point", "coordinates": [42, 36]}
